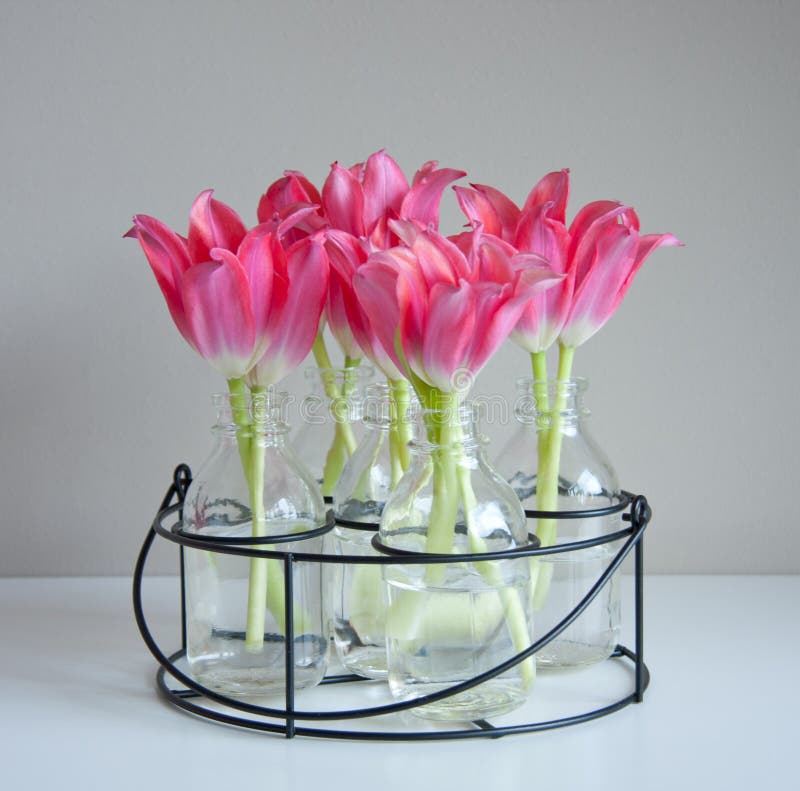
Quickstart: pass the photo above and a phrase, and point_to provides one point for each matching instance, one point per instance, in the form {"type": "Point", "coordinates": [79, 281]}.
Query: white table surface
{"type": "Point", "coordinates": [79, 707]}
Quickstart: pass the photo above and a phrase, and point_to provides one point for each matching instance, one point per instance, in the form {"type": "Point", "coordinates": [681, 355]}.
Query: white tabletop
{"type": "Point", "coordinates": [79, 707]}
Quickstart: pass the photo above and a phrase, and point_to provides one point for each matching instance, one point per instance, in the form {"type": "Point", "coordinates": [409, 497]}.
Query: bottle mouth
{"type": "Point", "coordinates": [567, 387]}
{"type": "Point", "coordinates": [380, 405]}
{"type": "Point", "coordinates": [455, 427]}
{"type": "Point", "coordinates": [540, 402]}
{"type": "Point", "coordinates": [356, 374]}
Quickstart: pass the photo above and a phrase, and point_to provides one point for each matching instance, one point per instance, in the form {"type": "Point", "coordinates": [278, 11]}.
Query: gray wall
{"type": "Point", "coordinates": [687, 110]}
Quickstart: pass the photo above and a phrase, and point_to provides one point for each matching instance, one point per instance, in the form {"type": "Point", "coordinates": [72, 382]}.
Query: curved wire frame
{"type": "Point", "coordinates": [194, 698]}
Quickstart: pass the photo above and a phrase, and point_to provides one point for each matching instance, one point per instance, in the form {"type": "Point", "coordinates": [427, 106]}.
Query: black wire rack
{"type": "Point", "coordinates": [290, 721]}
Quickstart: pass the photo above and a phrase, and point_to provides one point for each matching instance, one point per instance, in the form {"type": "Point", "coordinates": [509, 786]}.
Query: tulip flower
{"type": "Point", "coordinates": [606, 252]}
{"type": "Point", "coordinates": [538, 228]}
{"type": "Point", "coordinates": [440, 315]}
{"type": "Point", "coordinates": [232, 293]}
{"type": "Point", "coordinates": [363, 199]}
{"type": "Point", "coordinates": [212, 225]}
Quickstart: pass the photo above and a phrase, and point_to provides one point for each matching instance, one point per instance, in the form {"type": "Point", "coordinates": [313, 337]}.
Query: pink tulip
{"type": "Point", "coordinates": [285, 197]}
{"type": "Point", "coordinates": [438, 312]}
{"type": "Point", "coordinates": [228, 290]}
{"type": "Point", "coordinates": [361, 202]}
{"type": "Point", "coordinates": [538, 228]}
{"type": "Point", "coordinates": [363, 199]}
{"type": "Point", "coordinates": [212, 224]}
{"type": "Point", "coordinates": [605, 253]}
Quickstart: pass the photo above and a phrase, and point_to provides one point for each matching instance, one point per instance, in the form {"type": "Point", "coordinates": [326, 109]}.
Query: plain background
{"type": "Point", "coordinates": [688, 111]}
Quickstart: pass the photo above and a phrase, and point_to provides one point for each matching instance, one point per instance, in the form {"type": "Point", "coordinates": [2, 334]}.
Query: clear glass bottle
{"type": "Point", "coordinates": [356, 590]}
{"type": "Point", "coordinates": [448, 622]}
{"type": "Point", "coordinates": [252, 485]}
{"type": "Point", "coordinates": [330, 420]}
{"type": "Point", "coordinates": [551, 434]}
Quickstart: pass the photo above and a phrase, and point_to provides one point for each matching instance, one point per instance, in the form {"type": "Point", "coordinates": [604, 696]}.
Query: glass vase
{"type": "Point", "coordinates": [330, 421]}
{"type": "Point", "coordinates": [252, 485]}
{"type": "Point", "coordinates": [553, 464]}
{"type": "Point", "coordinates": [449, 622]}
{"type": "Point", "coordinates": [356, 590]}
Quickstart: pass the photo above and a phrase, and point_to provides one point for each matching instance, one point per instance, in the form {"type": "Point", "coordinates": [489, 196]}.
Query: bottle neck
{"type": "Point", "coordinates": [544, 403]}
{"type": "Point", "coordinates": [258, 417]}
{"type": "Point", "coordinates": [333, 383]}
{"type": "Point", "coordinates": [388, 406]}
{"type": "Point", "coordinates": [337, 393]}
{"type": "Point", "coordinates": [451, 430]}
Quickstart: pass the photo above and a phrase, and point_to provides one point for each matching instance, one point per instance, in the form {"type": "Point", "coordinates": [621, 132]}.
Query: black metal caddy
{"type": "Point", "coordinates": [290, 721]}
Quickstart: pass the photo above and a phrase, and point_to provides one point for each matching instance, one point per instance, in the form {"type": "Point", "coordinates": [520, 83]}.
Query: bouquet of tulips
{"type": "Point", "coordinates": [364, 256]}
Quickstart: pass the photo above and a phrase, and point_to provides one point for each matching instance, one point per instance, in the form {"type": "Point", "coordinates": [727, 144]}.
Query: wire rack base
{"type": "Point", "coordinates": [182, 691]}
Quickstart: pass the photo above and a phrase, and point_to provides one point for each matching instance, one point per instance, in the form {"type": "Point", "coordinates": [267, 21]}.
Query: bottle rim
{"type": "Point", "coordinates": [571, 386]}
{"type": "Point", "coordinates": [361, 372]}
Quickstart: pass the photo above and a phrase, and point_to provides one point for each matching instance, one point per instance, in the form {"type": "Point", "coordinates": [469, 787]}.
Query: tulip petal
{"type": "Point", "coordinates": [588, 223]}
{"type": "Point", "coordinates": [292, 188]}
{"type": "Point", "coordinates": [375, 286]}
{"type": "Point", "coordinates": [346, 255]}
{"type": "Point", "coordinates": [336, 315]}
{"type": "Point", "coordinates": [213, 224]}
{"type": "Point", "coordinates": [492, 259]}
{"type": "Point", "coordinates": [439, 259]}
{"type": "Point", "coordinates": [646, 246]}
{"type": "Point", "coordinates": [552, 189]}
{"type": "Point", "coordinates": [543, 317]}
{"type": "Point", "coordinates": [343, 201]}
{"type": "Point", "coordinates": [384, 185]}
{"type": "Point", "coordinates": [293, 327]}
{"type": "Point", "coordinates": [479, 210]}
{"type": "Point", "coordinates": [421, 203]}
{"type": "Point", "coordinates": [539, 233]}
{"type": "Point", "coordinates": [217, 300]}
{"type": "Point", "coordinates": [507, 211]}
{"type": "Point", "coordinates": [496, 314]}
{"type": "Point", "coordinates": [255, 255]}
{"type": "Point", "coordinates": [598, 294]}
{"type": "Point", "coordinates": [297, 221]}
{"type": "Point", "coordinates": [448, 333]}
{"type": "Point", "coordinates": [168, 256]}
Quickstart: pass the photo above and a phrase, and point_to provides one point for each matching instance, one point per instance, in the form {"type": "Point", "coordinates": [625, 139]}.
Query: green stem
{"type": "Point", "coordinates": [320, 352]}
{"type": "Point", "coordinates": [265, 583]}
{"type": "Point", "coordinates": [539, 363]}
{"type": "Point", "coordinates": [542, 406]}
{"type": "Point", "coordinates": [348, 388]}
{"type": "Point", "coordinates": [401, 400]}
{"type": "Point", "coordinates": [444, 510]}
{"type": "Point", "coordinates": [549, 463]}
{"type": "Point", "coordinates": [344, 441]}
{"type": "Point", "coordinates": [241, 418]}
{"type": "Point", "coordinates": [258, 581]}
{"type": "Point", "coordinates": [394, 455]}
{"type": "Point", "coordinates": [335, 459]}
{"type": "Point", "coordinates": [399, 428]}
